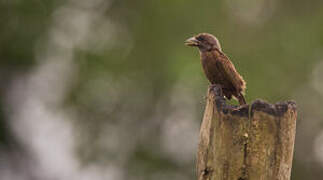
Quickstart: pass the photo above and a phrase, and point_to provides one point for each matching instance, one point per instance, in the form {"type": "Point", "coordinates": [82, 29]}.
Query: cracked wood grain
{"type": "Point", "coordinates": [249, 142]}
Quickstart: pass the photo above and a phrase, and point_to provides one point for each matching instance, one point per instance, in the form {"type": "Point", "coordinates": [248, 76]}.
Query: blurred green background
{"type": "Point", "coordinates": [106, 89]}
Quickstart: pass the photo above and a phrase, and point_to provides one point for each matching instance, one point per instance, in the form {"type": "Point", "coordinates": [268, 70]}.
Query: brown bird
{"type": "Point", "coordinates": [217, 66]}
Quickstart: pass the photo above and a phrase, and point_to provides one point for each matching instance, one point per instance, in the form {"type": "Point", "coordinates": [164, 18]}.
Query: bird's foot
{"type": "Point", "coordinates": [217, 89]}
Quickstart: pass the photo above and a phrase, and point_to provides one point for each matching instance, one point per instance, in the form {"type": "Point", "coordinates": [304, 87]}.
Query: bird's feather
{"type": "Point", "coordinates": [230, 72]}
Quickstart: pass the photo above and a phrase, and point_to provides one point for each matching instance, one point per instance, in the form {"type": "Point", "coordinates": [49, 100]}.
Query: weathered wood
{"type": "Point", "coordinates": [250, 142]}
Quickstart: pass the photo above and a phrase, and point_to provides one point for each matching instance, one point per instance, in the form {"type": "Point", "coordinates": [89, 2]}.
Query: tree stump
{"type": "Point", "coordinates": [249, 142]}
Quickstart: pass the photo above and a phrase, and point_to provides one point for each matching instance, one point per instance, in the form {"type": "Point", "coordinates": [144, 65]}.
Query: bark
{"type": "Point", "coordinates": [250, 142]}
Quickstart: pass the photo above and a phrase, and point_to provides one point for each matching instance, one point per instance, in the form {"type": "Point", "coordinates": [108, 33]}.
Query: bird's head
{"type": "Point", "coordinates": [204, 41]}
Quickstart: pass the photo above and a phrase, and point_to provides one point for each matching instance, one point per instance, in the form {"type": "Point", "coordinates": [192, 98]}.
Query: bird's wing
{"type": "Point", "coordinates": [230, 72]}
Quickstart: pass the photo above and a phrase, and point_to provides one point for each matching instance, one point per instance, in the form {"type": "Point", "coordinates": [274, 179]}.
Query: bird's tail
{"type": "Point", "coordinates": [241, 99]}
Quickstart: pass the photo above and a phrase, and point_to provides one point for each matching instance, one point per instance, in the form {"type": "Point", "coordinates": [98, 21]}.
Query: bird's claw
{"type": "Point", "coordinates": [217, 89]}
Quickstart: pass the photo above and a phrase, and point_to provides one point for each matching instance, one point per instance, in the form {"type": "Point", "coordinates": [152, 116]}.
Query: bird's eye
{"type": "Point", "coordinates": [200, 38]}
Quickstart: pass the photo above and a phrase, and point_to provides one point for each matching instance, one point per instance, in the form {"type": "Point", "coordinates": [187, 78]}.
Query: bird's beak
{"type": "Point", "coordinates": [192, 42]}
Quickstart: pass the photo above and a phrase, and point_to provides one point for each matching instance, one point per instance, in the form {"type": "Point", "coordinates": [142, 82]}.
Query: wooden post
{"type": "Point", "coordinates": [250, 142]}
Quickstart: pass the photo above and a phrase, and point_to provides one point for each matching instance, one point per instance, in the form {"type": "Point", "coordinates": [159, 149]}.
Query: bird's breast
{"type": "Point", "coordinates": [211, 68]}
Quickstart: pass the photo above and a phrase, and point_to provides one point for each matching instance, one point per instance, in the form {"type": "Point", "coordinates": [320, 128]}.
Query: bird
{"type": "Point", "coordinates": [217, 67]}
